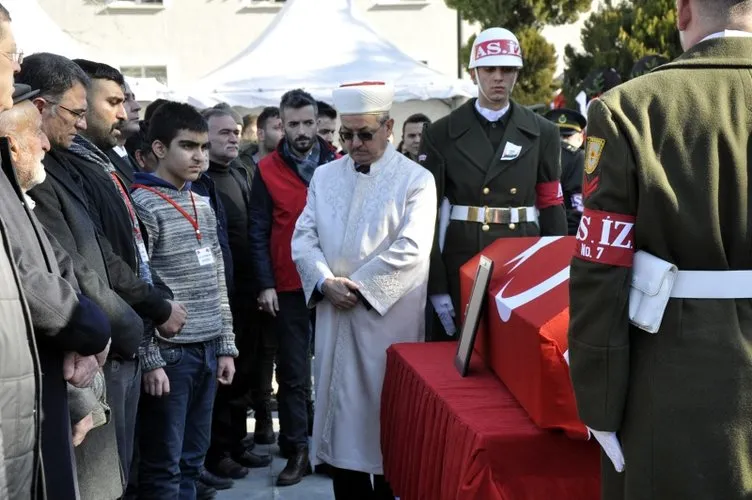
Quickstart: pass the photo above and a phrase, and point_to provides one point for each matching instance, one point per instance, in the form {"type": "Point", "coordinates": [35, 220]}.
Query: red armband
{"type": "Point", "coordinates": [606, 238]}
{"type": "Point", "coordinates": [548, 194]}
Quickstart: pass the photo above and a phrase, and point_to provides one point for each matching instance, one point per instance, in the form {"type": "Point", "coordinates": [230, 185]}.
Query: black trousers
{"type": "Point", "coordinates": [229, 425]}
{"type": "Point", "coordinates": [355, 485]}
{"type": "Point", "coordinates": [262, 367]}
{"type": "Point", "coordinates": [292, 326]}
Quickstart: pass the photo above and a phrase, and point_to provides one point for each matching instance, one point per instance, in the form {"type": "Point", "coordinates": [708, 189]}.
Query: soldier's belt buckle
{"type": "Point", "coordinates": [486, 215]}
{"type": "Point", "coordinates": [497, 215]}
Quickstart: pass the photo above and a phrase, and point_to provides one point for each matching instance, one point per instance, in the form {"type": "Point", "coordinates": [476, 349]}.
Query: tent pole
{"type": "Point", "coordinates": [459, 44]}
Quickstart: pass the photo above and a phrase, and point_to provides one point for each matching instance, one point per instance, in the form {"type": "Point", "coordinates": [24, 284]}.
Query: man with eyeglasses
{"type": "Point", "coordinates": [278, 196]}
{"type": "Point", "coordinates": [362, 248]}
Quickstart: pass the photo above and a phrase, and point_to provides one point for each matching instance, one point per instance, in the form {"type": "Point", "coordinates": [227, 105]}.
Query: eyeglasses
{"type": "Point", "coordinates": [79, 115]}
{"type": "Point", "coordinates": [363, 136]}
{"type": "Point", "coordinates": [16, 57]}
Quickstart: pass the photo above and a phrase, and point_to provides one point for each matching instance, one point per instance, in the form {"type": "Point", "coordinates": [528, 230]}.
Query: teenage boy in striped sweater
{"type": "Point", "coordinates": [181, 373]}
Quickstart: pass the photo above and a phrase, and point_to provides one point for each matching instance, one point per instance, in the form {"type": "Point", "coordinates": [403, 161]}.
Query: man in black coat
{"type": "Point", "coordinates": [571, 128]}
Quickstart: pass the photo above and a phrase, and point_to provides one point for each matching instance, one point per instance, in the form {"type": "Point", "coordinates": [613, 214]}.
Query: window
{"type": "Point", "coordinates": [158, 72]}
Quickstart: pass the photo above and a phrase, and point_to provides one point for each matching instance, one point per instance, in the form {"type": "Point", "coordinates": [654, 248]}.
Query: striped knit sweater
{"type": "Point", "coordinates": [172, 250]}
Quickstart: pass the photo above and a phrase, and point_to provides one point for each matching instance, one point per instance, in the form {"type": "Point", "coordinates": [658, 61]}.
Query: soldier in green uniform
{"type": "Point", "coordinates": [497, 164]}
{"type": "Point", "coordinates": [668, 158]}
{"type": "Point", "coordinates": [571, 127]}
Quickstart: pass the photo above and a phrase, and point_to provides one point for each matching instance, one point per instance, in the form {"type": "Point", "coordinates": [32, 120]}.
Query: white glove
{"type": "Point", "coordinates": [608, 440]}
{"type": "Point", "coordinates": [442, 304]}
{"type": "Point", "coordinates": [611, 446]}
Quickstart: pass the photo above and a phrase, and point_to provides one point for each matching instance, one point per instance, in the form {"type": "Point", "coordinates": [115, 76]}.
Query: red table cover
{"type": "Point", "coordinates": [447, 437]}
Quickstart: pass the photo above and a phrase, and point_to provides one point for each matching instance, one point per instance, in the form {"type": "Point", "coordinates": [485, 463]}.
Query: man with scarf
{"type": "Point", "coordinates": [278, 197]}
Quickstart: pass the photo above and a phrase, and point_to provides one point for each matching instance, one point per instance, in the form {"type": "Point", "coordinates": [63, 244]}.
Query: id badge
{"type": "Point", "coordinates": [142, 250]}
{"type": "Point", "coordinates": [205, 256]}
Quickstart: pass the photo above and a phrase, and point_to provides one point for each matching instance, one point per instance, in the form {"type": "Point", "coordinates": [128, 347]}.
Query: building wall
{"type": "Point", "coordinates": [191, 38]}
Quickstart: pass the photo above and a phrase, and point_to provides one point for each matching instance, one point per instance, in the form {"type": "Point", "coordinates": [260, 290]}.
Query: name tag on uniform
{"type": "Point", "coordinates": [511, 151]}
{"type": "Point", "coordinates": [205, 256]}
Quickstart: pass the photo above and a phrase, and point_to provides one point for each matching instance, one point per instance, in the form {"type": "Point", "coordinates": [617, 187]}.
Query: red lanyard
{"type": "Point", "coordinates": [192, 220]}
{"type": "Point", "coordinates": [127, 201]}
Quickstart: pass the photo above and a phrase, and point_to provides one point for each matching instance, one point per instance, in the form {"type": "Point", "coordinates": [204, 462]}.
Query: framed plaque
{"type": "Point", "coordinates": [472, 317]}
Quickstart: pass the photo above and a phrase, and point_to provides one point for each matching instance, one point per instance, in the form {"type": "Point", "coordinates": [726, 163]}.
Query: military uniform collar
{"type": "Point", "coordinates": [492, 115]}
{"type": "Point", "coordinates": [466, 118]}
{"type": "Point", "coordinates": [729, 51]}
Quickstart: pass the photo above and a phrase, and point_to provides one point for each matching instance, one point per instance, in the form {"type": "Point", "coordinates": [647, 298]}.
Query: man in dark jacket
{"type": "Point", "coordinates": [227, 455]}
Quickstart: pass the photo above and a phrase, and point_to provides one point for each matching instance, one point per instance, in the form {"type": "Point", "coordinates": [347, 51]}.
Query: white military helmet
{"type": "Point", "coordinates": [496, 47]}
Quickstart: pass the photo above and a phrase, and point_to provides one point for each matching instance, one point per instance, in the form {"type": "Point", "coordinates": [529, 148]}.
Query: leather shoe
{"type": "Point", "coordinates": [205, 492]}
{"type": "Point", "coordinates": [296, 469]}
{"type": "Point", "coordinates": [227, 467]}
{"type": "Point", "coordinates": [252, 460]}
{"type": "Point", "coordinates": [216, 482]}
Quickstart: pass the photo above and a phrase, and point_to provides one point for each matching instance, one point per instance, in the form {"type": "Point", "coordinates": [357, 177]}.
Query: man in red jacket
{"type": "Point", "coordinates": [278, 197]}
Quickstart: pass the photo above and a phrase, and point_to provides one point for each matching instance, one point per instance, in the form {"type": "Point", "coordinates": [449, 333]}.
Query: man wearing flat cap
{"type": "Point", "coordinates": [362, 248]}
{"type": "Point", "coordinates": [572, 130]}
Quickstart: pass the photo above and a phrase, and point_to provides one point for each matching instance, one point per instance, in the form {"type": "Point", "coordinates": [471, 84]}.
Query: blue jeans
{"type": "Point", "coordinates": [175, 429]}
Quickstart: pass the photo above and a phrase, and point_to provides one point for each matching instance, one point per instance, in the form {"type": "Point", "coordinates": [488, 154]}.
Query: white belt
{"type": "Point", "coordinates": [712, 285]}
{"type": "Point", "coordinates": [493, 215]}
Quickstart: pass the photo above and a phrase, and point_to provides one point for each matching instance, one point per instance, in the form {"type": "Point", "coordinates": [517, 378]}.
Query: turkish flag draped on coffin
{"type": "Point", "coordinates": [523, 336]}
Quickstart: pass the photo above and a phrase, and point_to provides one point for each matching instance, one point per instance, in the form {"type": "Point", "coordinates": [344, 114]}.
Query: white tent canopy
{"type": "Point", "coordinates": [287, 56]}
{"type": "Point", "coordinates": [35, 31]}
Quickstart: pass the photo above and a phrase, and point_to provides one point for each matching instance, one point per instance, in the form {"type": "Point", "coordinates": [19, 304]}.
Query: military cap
{"type": "Point", "coordinates": [569, 121]}
{"type": "Point", "coordinates": [22, 92]}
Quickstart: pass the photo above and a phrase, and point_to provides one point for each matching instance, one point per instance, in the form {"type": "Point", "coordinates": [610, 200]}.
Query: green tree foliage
{"type": "Point", "coordinates": [525, 18]}
{"type": "Point", "coordinates": [618, 35]}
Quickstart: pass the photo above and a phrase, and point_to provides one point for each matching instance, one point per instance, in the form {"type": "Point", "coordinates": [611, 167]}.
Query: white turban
{"type": "Point", "coordinates": [363, 98]}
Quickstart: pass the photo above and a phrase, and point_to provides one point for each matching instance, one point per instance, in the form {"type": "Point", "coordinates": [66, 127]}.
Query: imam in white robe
{"type": "Point", "coordinates": [377, 230]}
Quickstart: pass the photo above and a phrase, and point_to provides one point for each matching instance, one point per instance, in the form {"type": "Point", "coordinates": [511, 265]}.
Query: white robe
{"type": "Point", "coordinates": [377, 230]}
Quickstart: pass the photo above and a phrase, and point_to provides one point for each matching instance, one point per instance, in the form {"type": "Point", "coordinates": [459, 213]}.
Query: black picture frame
{"type": "Point", "coordinates": [473, 312]}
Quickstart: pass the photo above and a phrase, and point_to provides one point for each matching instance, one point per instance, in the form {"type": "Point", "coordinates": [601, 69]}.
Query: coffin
{"type": "Point", "coordinates": [523, 334]}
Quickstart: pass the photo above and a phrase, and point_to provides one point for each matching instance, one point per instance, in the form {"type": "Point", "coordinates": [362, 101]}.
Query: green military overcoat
{"type": "Point", "coordinates": [469, 172]}
{"type": "Point", "coordinates": [673, 149]}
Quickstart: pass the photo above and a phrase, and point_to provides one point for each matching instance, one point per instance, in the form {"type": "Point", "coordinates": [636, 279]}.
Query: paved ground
{"type": "Point", "coordinates": [260, 483]}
